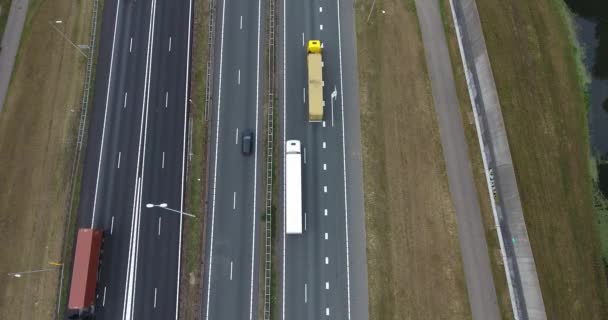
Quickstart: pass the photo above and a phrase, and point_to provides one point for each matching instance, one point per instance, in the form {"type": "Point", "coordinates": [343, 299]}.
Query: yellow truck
{"type": "Point", "coordinates": [315, 81]}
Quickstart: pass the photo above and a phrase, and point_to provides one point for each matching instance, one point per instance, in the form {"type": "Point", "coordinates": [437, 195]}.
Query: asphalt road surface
{"type": "Point", "coordinates": [135, 155]}
{"type": "Point", "coordinates": [323, 271]}
{"type": "Point", "coordinates": [233, 217]}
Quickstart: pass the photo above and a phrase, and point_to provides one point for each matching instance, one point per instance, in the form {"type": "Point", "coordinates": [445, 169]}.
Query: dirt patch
{"type": "Point", "coordinates": [413, 250]}
{"type": "Point", "coordinates": [543, 105]}
{"type": "Point", "coordinates": [37, 140]}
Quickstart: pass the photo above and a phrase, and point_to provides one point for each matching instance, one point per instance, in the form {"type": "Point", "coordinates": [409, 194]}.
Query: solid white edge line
{"type": "Point", "coordinates": [283, 153]}
{"type": "Point", "coordinates": [217, 132]}
{"type": "Point", "coordinates": [255, 163]}
{"type": "Point", "coordinates": [181, 216]}
{"type": "Point", "coordinates": [344, 163]}
{"type": "Point", "coordinates": [105, 115]}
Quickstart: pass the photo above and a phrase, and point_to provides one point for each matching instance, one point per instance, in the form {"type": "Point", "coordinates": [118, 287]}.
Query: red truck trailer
{"type": "Point", "coordinates": [84, 274]}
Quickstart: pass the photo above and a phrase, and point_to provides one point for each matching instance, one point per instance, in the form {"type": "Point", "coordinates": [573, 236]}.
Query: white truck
{"type": "Point", "coordinates": [293, 187]}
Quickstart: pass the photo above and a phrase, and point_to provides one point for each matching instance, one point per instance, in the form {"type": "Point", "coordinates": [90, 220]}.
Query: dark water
{"type": "Point", "coordinates": [591, 19]}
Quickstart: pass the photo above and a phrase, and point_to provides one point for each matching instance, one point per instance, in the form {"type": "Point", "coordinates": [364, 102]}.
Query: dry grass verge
{"type": "Point", "coordinates": [37, 141]}
{"type": "Point", "coordinates": [543, 103]}
{"type": "Point", "coordinates": [413, 251]}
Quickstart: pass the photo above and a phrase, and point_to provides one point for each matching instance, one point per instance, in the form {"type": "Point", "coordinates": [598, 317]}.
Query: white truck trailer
{"type": "Point", "coordinates": [293, 187]}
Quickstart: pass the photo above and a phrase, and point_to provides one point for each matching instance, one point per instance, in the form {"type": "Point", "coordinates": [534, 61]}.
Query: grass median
{"type": "Point", "coordinates": [193, 243]}
{"type": "Point", "coordinates": [38, 128]}
{"type": "Point", "coordinates": [412, 237]}
{"type": "Point", "coordinates": [541, 87]}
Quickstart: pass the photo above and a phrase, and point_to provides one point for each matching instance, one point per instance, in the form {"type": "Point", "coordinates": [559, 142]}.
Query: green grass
{"type": "Point", "coordinates": [193, 232]}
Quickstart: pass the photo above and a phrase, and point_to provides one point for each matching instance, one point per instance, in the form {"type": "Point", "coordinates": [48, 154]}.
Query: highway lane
{"type": "Point", "coordinates": [232, 246]}
{"type": "Point", "coordinates": [157, 269]}
{"type": "Point", "coordinates": [317, 265]}
{"type": "Point", "coordinates": [132, 79]}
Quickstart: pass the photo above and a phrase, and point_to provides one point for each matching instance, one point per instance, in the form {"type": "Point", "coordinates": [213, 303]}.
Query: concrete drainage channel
{"type": "Point", "coordinates": [520, 268]}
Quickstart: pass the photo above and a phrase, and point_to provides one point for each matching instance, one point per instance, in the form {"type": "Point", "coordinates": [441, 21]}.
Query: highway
{"type": "Point", "coordinates": [232, 250]}
{"type": "Point", "coordinates": [323, 271]}
{"type": "Point", "coordinates": [136, 155]}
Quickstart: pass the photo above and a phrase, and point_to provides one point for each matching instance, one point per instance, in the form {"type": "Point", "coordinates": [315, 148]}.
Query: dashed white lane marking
{"type": "Point", "coordinates": [304, 155]}
{"type": "Point", "coordinates": [325, 189]}
{"type": "Point", "coordinates": [112, 226]}
{"type": "Point", "coordinates": [124, 105]}
{"type": "Point", "coordinates": [324, 145]}
{"type": "Point", "coordinates": [241, 22]}
{"type": "Point", "coordinates": [239, 77]}
{"type": "Point", "coordinates": [325, 167]}
{"type": "Point", "coordinates": [326, 285]}
{"type": "Point", "coordinates": [304, 221]}
{"type": "Point", "coordinates": [166, 98]}
{"type": "Point", "coordinates": [305, 293]}
{"type": "Point", "coordinates": [163, 164]}
{"type": "Point", "coordinates": [159, 224]}
{"type": "Point", "coordinates": [320, 9]}
{"type": "Point", "coordinates": [321, 27]}
{"type": "Point", "coordinates": [326, 260]}
{"type": "Point", "coordinates": [326, 236]}
{"type": "Point", "coordinates": [302, 39]}
{"type": "Point", "coordinates": [169, 44]}
{"type": "Point", "coordinates": [118, 164]}
{"type": "Point", "coordinates": [323, 124]}
{"type": "Point", "coordinates": [131, 44]}
{"type": "Point", "coordinates": [304, 95]}
{"type": "Point", "coordinates": [327, 311]}
{"type": "Point", "coordinates": [236, 136]}
{"type": "Point", "coordinates": [155, 290]}
{"type": "Point", "coordinates": [234, 200]}
{"type": "Point", "coordinates": [103, 303]}
{"type": "Point", "coordinates": [231, 270]}
{"type": "Point", "coordinates": [325, 212]}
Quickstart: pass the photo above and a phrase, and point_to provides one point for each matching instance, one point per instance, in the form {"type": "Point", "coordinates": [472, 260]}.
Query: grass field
{"type": "Point", "coordinates": [37, 140]}
{"type": "Point", "coordinates": [192, 258]}
{"type": "Point", "coordinates": [414, 261]}
{"type": "Point", "coordinates": [468, 121]}
{"type": "Point", "coordinates": [543, 101]}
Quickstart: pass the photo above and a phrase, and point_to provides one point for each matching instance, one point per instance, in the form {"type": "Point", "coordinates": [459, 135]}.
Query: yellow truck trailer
{"type": "Point", "coordinates": [315, 81]}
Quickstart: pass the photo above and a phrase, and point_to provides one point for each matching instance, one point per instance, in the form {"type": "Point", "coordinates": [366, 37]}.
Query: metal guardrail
{"type": "Point", "coordinates": [210, 45]}
{"type": "Point", "coordinates": [269, 153]}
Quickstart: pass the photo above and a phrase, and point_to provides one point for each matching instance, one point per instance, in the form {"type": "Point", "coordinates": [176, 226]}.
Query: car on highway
{"type": "Point", "coordinates": [247, 142]}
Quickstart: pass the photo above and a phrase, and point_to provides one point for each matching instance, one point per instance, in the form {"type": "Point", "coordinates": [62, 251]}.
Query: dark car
{"type": "Point", "coordinates": [247, 142]}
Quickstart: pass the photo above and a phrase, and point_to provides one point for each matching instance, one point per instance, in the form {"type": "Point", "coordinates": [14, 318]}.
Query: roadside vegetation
{"type": "Point", "coordinates": [542, 90]}
{"type": "Point", "coordinates": [413, 251]}
{"type": "Point", "coordinates": [470, 131]}
{"type": "Point", "coordinates": [38, 128]}
{"type": "Point", "coordinates": [5, 6]}
{"type": "Point", "coordinates": [193, 234]}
